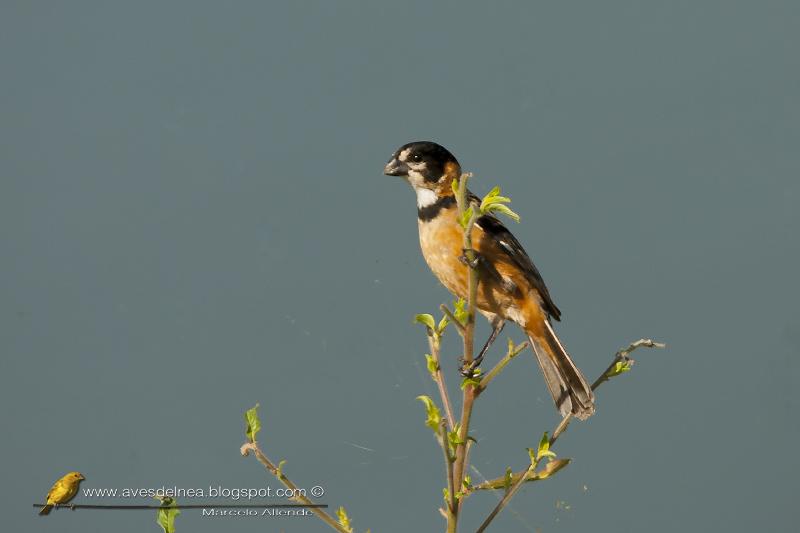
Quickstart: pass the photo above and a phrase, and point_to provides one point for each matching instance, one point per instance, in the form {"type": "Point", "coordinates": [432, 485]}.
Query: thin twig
{"type": "Point", "coordinates": [620, 356]}
{"type": "Point", "coordinates": [186, 506]}
{"type": "Point", "coordinates": [506, 498]}
{"type": "Point", "coordinates": [501, 364]}
{"type": "Point", "coordinates": [448, 461]}
{"type": "Point", "coordinates": [275, 471]}
{"type": "Point", "coordinates": [435, 346]}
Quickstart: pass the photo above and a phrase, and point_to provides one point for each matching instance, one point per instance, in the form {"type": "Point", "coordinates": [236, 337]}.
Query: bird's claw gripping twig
{"type": "Point", "coordinates": [468, 369]}
{"type": "Point", "coordinates": [465, 260]}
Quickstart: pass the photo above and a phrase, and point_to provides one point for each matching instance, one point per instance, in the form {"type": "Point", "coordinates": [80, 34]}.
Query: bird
{"type": "Point", "coordinates": [62, 491]}
{"type": "Point", "coordinates": [510, 287]}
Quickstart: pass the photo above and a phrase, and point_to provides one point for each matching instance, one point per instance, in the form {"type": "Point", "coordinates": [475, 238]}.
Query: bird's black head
{"type": "Point", "coordinates": [424, 164]}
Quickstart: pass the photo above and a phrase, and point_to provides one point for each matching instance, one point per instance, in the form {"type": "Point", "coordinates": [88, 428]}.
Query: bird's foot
{"type": "Point", "coordinates": [469, 370]}
{"type": "Point", "coordinates": [464, 258]}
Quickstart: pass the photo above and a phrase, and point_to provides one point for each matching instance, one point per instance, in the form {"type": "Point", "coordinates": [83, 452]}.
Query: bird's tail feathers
{"type": "Point", "coordinates": [569, 389]}
{"type": "Point", "coordinates": [46, 509]}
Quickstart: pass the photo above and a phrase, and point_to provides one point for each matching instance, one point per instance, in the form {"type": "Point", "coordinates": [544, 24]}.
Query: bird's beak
{"type": "Point", "coordinates": [80, 476]}
{"type": "Point", "coordinates": [395, 167]}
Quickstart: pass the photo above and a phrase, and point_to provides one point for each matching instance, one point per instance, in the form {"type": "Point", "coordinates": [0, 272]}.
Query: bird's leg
{"type": "Point", "coordinates": [72, 507]}
{"type": "Point", "coordinates": [497, 326]}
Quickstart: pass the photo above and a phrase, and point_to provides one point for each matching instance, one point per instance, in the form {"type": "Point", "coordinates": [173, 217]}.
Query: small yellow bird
{"type": "Point", "coordinates": [63, 491]}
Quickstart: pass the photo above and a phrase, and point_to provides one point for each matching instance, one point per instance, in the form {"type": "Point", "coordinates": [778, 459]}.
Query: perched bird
{"type": "Point", "coordinates": [63, 491]}
{"type": "Point", "coordinates": [509, 287]}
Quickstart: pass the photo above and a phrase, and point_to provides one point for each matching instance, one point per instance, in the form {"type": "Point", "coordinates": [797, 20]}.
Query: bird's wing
{"type": "Point", "coordinates": [61, 491]}
{"type": "Point", "coordinates": [53, 492]}
{"type": "Point", "coordinates": [509, 244]}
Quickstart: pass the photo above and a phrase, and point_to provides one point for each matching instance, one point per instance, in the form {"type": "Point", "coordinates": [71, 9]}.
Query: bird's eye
{"type": "Point", "coordinates": [416, 158]}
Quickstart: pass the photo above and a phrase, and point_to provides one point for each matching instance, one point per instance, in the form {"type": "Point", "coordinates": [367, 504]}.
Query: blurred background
{"type": "Point", "coordinates": [193, 219]}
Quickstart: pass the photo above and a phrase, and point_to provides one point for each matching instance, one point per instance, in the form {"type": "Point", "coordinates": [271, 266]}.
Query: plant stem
{"type": "Point", "coordinates": [435, 346]}
{"type": "Point", "coordinates": [270, 466]}
{"type": "Point", "coordinates": [448, 461]}
{"type": "Point", "coordinates": [512, 353]}
{"type": "Point", "coordinates": [512, 490]}
{"type": "Point", "coordinates": [469, 342]}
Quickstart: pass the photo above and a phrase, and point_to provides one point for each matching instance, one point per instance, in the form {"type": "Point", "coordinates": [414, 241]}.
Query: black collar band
{"type": "Point", "coordinates": [429, 212]}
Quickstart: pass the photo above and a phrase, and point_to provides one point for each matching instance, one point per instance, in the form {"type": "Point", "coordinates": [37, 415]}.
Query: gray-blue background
{"type": "Point", "coordinates": [193, 219]}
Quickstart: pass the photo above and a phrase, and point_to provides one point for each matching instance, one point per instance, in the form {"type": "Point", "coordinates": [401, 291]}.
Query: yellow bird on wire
{"type": "Point", "coordinates": [63, 491]}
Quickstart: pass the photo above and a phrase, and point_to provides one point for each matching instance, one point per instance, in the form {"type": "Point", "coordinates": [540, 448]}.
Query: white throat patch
{"type": "Point", "coordinates": [425, 197]}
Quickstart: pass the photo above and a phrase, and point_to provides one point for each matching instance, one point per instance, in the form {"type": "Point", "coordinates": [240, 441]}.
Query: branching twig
{"type": "Point", "coordinates": [620, 358]}
{"type": "Point", "coordinates": [510, 493]}
{"type": "Point", "coordinates": [512, 352]}
{"type": "Point", "coordinates": [248, 447]}
{"type": "Point", "coordinates": [519, 478]}
{"type": "Point", "coordinates": [446, 310]}
{"type": "Point", "coordinates": [470, 392]}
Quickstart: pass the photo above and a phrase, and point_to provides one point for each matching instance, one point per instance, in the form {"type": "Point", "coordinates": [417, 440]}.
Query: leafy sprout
{"type": "Point", "coordinates": [434, 416]}
{"type": "Point", "coordinates": [494, 203]}
{"type": "Point", "coordinates": [165, 517]}
{"type": "Point", "coordinates": [253, 423]}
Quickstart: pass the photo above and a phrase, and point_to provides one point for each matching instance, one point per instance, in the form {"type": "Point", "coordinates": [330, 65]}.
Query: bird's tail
{"type": "Point", "coordinates": [46, 509]}
{"type": "Point", "coordinates": [569, 389]}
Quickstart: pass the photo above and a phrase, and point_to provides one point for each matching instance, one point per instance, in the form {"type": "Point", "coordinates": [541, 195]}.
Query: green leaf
{"type": "Point", "coordinates": [460, 311]}
{"type": "Point", "coordinates": [432, 366]}
{"type": "Point", "coordinates": [544, 442]}
{"type": "Point", "coordinates": [279, 473]}
{"type": "Point", "coordinates": [620, 367]}
{"type": "Point", "coordinates": [426, 320]}
{"type": "Point", "coordinates": [467, 482]}
{"type": "Point", "coordinates": [453, 436]}
{"type": "Point", "coordinates": [253, 423]}
{"type": "Point", "coordinates": [500, 208]}
{"type": "Point", "coordinates": [434, 419]}
{"type": "Point", "coordinates": [532, 455]}
{"type": "Point", "coordinates": [499, 200]}
{"type": "Point", "coordinates": [463, 218]}
{"type": "Point", "coordinates": [454, 186]}
{"type": "Point", "coordinates": [508, 478]}
{"type": "Point", "coordinates": [544, 448]}
{"type": "Point", "coordinates": [165, 517]}
{"type": "Point", "coordinates": [344, 520]}
{"type": "Point", "coordinates": [494, 203]}
{"type": "Point", "coordinates": [443, 323]}
{"type": "Point", "coordinates": [475, 381]}
{"type": "Point", "coordinates": [446, 494]}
